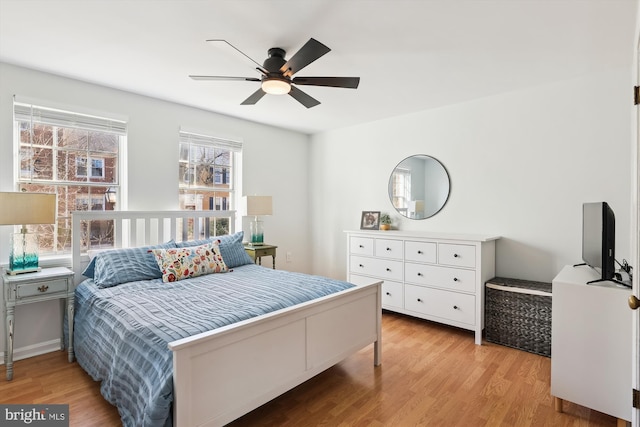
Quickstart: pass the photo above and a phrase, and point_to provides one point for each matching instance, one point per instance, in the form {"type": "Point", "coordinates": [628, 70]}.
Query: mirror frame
{"type": "Point", "coordinates": [448, 181]}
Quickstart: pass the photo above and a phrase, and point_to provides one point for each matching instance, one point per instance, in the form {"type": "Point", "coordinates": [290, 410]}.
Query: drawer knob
{"type": "Point", "coordinates": [43, 288]}
{"type": "Point", "coordinates": [388, 293]}
{"type": "Point", "coordinates": [388, 269]}
{"type": "Point", "coordinates": [420, 274]}
{"type": "Point", "coordinates": [388, 249]}
{"type": "Point", "coordinates": [360, 265]}
{"type": "Point", "coordinates": [455, 279]}
{"type": "Point", "coordinates": [419, 252]}
{"type": "Point", "coordinates": [456, 256]}
{"type": "Point", "coordinates": [361, 246]}
{"type": "Point", "coordinates": [419, 300]}
{"type": "Point", "coordinates": [455, 307]}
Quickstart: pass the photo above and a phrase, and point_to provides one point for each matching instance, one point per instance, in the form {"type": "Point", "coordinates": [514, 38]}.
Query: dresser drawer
{"type": "Point", "coordinates": [388, 248]}
{"type": "Point", "coordinates": [457, 255]}
{"type": "Point", "coordinates": [442, 277]}
{"type": "Point", "coordinates": [421, 251]}
{"type": "Point", "coordinates": [361, 246]}
{"type": "Point", "coordinates": [447, 305]}
{"type": "Point", "coordinates": [392, 294]}
{"type": "Point", "coordinates": [377, 267]}
{"type": "Point", "coordinates": [41, 288]}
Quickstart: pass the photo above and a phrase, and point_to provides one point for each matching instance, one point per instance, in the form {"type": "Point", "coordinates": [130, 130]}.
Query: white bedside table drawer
{"type": "Point", "coordinates": [41, 288]}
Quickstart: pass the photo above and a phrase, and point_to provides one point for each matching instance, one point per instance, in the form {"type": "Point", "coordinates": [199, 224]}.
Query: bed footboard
{"type": "Point", "coordinates": [223, 374]}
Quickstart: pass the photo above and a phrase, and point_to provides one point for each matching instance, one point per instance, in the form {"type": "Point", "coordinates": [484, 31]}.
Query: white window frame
{"type": "Point", "coordinates": [232, 144]}
{"type": "Point", "coordinates": [60, 116]}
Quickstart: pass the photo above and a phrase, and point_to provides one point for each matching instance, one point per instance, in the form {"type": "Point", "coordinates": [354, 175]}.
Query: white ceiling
{"type": "Point", "coordinates": [411, 55]}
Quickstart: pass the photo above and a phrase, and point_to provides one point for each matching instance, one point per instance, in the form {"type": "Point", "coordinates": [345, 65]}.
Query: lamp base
{"type": "Point", "coordinates": [23, 257]}
{"type": "Point", "coordinates": [28, 270]}
{"type": "Point", "coordinates": [256, 233]}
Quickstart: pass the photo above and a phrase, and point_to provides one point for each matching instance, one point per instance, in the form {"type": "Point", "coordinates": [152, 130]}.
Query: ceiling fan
{"type": "Point", "coordinates": [277, 74]}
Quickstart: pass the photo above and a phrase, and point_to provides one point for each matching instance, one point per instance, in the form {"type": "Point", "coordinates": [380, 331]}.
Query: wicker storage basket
{"type": "Point", "coordinates": [518, 314]}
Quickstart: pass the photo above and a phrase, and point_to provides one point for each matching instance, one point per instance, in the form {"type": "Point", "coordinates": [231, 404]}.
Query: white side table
{"type": "Point", "coordinates": [27, 288]}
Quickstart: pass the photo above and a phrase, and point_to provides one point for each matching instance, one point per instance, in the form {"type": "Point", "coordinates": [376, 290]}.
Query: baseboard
{"type": "Point", "coordinates": [34, 350]}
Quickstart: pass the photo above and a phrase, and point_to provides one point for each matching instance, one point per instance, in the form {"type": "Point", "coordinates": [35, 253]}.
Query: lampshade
{"type": "Point", "coordinates": [27, 208]}
{"type": "Point", "coordinates": [257, 205]}
{"type": "Point", "coordinates": [276, 86]}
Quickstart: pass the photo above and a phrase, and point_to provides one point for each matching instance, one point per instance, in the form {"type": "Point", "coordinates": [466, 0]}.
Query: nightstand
{"type": "Point", "coordinates": [48, 284]}
{"type": "Point", "coordinates": [257, 252]}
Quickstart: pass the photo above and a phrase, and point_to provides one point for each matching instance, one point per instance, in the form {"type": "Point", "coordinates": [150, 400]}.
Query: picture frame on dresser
{"type": "Point", "coordinates": [370, 220]}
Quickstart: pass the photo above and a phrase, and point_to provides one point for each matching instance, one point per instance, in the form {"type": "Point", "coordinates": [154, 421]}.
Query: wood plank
{"type": "Point", "coordinates": [432, 374]}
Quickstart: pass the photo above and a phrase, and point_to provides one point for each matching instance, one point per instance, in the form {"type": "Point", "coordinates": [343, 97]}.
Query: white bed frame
{"type": "Point", "coordinates": [225, 373]}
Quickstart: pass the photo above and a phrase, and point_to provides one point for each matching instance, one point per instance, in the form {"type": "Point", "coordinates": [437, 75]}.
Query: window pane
{"type": "Point", "coordinates": [81, 166]}
{"type": "Point", "coordinates": [223, 157]}
{"type": "Point", "coordinates": [42, 163]}
{"type": "Point", "coordinates": [204, 175]}
{"type": "Point", "coordinates": [76, 139]}
{"type": "Point", "coordinates": [202, 154]}
{"type": "Point", "coordinates": [184, 152]}
{"type": "Point", "coordinates": [97, 168]}
{"type": "Point", "coordinates": [103, 142]}
{"type": "Point", "coordinates": [110, 169]}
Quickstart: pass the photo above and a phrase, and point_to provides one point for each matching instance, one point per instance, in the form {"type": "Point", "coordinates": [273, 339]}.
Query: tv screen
{"type": "Point", "coordinates": [598, 238]}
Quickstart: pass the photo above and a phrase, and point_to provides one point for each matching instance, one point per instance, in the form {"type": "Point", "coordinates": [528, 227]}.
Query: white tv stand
{"type": "Point", "coordinates": [591, 343]}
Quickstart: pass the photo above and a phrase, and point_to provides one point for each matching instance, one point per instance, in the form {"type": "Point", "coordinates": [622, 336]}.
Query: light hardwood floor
{"type": "Point", "coordinates": [431, 375]}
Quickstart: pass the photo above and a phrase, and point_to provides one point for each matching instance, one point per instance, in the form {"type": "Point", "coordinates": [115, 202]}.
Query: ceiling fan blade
{"type": "Point", "coordinates": [346, 82]}
{"type": "Point", "coordinates": [255, 97]}
{"type": "Point", "coordinates": [308, 53]}
{"type": "Point", "coordinates": [303, 98]}
{"type": "Point", "coordinates": [248, 79]}
{"type": "Point", "coordinates": [259, 66]}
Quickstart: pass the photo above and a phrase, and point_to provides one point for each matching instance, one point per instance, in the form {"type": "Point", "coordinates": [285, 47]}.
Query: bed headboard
{"type": "Point", "coordinates": [140, 228]}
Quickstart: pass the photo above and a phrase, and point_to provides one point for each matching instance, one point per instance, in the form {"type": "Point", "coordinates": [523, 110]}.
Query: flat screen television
{"type": "Point", "coordinates": [599, 239]}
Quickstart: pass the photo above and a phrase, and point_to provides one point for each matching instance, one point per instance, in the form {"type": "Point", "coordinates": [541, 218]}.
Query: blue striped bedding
{"type": "Point", "coordinates": [121, 333]}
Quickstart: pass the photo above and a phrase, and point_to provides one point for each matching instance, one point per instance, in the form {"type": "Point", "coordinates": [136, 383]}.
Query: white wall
{"type": "Point", "coordinates": [153, 168]}
{"type": "Point", "coordinates": [521, 165]}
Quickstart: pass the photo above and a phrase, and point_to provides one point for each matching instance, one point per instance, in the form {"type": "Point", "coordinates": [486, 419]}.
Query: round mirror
{"type": "Point", "coordinates": [419, 187]}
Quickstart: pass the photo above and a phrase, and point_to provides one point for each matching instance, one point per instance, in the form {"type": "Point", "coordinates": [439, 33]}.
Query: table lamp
{"type": "Point", "coordinates": [23, 209]}
{"type": "Point", "coordinates": [256, 206]}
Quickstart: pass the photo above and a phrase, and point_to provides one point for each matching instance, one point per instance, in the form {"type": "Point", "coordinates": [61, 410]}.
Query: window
{"type": "Point", "coordinates": [97, 167]}
{"type": "Point", "coordinates": [206, 177]}
{"type": "Point", "coordinates": [401, 182]}
{"type": "Point", "coordinates": [77, 157]}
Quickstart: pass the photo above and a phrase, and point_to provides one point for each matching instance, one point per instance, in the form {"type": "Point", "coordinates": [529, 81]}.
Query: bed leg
{"type": "Point", "coordinates": [377, 353]}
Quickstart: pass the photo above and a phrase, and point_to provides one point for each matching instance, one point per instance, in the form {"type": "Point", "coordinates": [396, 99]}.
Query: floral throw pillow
{"type": "Point", "coordinates": [182, 263]}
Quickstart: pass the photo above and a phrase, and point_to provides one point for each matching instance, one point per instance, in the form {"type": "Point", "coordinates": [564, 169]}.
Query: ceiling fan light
{"type": "Point", "coordinates": [276, 86]}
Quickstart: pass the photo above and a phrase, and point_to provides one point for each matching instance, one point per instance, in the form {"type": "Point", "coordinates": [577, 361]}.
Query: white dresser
{"type": "Point", "coordinates": [434, 276]}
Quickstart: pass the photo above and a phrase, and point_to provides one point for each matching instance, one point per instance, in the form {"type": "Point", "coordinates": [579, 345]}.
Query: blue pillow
{"type": "Point", "coordinates": [118, 266]}
{"type": "Point", "coordinates": [231, 248]}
